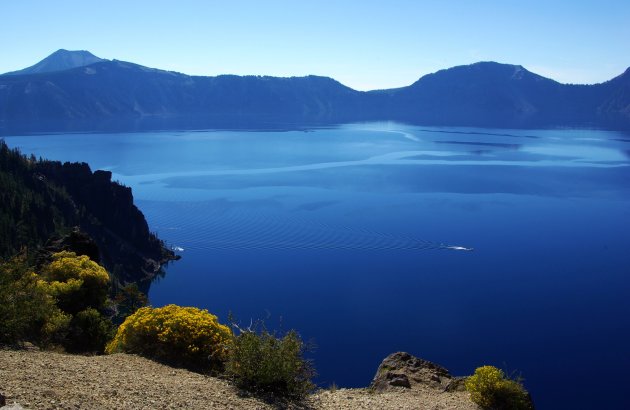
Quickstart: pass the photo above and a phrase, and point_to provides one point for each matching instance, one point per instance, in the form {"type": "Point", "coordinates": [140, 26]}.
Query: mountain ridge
{"type": "Point", "coordinates": [128, 96]}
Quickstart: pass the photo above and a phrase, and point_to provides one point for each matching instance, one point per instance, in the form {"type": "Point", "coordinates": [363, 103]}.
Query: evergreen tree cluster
{"type": "Point", "coordinates": [31, 207]}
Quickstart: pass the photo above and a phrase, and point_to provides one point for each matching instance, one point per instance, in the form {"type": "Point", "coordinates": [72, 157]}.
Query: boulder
{"type": "Point", "coordinates": [402, 370]}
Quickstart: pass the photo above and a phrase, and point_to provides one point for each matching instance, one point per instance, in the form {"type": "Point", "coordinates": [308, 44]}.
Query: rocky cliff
{"type": "Point", "coordinates": [47, 200]}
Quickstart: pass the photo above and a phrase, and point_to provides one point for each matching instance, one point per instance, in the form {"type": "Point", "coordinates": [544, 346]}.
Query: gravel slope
{"type": "Point", "coordinates": [46, 380]}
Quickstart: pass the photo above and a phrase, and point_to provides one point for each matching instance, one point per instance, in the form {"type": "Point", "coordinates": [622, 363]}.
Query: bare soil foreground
{"type": "Point", "coordinates": [46, 380]}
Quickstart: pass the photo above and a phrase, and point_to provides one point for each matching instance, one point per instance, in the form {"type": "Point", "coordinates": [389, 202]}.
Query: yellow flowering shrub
{"type": "Point", "coordinates": [181, 336]}
{"type": "Point", "coordinates": [27, 311]}
{"type": "Point", "coordinates": [490, 389]}
{"type": "Point", "coordinates": [59, 308]}
{"type": "Point", "coordinates": [76, 282]}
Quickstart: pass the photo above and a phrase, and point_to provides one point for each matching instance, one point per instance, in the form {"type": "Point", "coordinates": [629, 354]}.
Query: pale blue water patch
{"type": "Point", "coordinates": [350, 235]}
{"type": "Point", "coordinates": [582, 153]}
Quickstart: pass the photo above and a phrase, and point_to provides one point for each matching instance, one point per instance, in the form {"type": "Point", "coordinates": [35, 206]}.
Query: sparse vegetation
{"type": "Point", "coordinates": [263, 363]}
{"type": "Point", "coordinates": [491, 389]}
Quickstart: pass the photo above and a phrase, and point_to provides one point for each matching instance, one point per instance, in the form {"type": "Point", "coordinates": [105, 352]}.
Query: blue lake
{"type": "Point", "coordinates": [347, 234]}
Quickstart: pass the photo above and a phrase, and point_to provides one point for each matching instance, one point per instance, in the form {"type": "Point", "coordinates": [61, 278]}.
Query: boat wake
{"type": "Point", "coordinates": [240, 228]}
{"type": "Point", "coordinates": [458, 248]}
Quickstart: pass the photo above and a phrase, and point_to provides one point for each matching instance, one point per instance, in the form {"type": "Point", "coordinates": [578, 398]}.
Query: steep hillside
{"type": "Point", "coordinates": [615, 102]}
{"type": "Point", "coordinates": [40, 199]}
{"type": "Point", "coordinates": [492, 94]}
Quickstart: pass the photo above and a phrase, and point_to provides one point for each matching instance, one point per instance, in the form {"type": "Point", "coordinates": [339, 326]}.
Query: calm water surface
{"type": "Point", "coordinates": [345, 234]}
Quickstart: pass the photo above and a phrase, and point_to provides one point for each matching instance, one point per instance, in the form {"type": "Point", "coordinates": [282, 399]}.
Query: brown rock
{"type": "Point", "coordinates": [399, 380]}
{"type": "Point", "coordinates": [404, 370]}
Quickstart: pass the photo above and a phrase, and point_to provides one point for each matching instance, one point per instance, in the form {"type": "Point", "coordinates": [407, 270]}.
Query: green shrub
{"type": "Point", "coordinates": [88, 331]}
{"type": "Point", "coordinates": [262, 363]}
{"type": "Point", "coordinates": [129, 299]}
{"type": "Point", "coordinates": [490, 389]}
{"type": "Point", "coordinates": [27, 311]}
{"type": "Point", "coordinates": [180, 336]}
{"type": "Point", "coordinates": [55, 329]}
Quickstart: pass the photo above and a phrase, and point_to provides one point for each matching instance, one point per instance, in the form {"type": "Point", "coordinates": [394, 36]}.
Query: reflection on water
{"type": "Point", "coordinates": [344, 233]}
{"type": "Point", "coordinates": [582, 153]}
{"type": "Point", "coordinates": [483, 144]}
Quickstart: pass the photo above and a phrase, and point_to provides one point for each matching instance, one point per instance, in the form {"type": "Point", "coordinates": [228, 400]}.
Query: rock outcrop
{"type": "Point", "coordinates": [76, 241]}
{"type": "Point", "coordinates": [401, 369]}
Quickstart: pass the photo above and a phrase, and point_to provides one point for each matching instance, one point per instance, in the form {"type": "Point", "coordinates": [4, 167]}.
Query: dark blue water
{"type": "Point", "coordinates": [345, 234]}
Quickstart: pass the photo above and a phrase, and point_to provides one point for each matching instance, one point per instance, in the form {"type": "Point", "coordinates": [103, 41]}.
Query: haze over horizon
{"type": "Point", "coordinates": [364, 45]}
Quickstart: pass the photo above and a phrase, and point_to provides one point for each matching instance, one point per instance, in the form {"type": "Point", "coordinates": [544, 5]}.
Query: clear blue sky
{"type": "Point", "coordinates": [364, 44]}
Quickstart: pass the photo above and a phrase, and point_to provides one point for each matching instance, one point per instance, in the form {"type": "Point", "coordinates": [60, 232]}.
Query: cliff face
{"type": "Point", "coordinates": [44, 198]}
{"type": "Point", "coordinates": [107, 213]}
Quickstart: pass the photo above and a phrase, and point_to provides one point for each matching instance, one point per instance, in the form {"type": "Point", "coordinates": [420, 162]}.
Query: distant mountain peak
{"type": "Point", "coordinates": [493, 66]}
{"type": "Point", "coordinates": [60, 60]}
{"type": "Point", "coordinates": [482, 71]}
{"type": "Point", "coordinates": [490, 63]}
